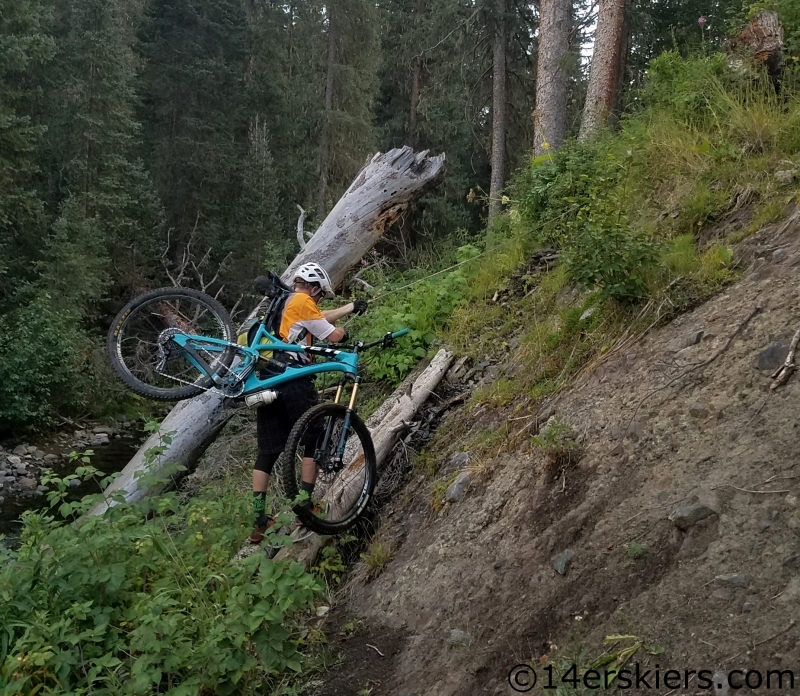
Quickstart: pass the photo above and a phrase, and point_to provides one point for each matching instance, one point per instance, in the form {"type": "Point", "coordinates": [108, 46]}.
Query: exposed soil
{"type": "Point", "coordinates": [484, 567]}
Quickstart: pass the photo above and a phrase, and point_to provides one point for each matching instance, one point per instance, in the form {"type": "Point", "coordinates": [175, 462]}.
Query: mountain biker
{"type": "Point", "coordinates": [300, 321]}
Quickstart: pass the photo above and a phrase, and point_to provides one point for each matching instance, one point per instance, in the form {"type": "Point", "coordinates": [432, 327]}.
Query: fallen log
{"type": "Point", "coordinates": [384, 188]}
{"type": "Point", "coordinates": [386, 426]}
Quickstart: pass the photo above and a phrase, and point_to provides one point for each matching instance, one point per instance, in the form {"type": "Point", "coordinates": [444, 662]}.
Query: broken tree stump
{"type": "Point", "coordinates": [762, 41]}
{"type": "Point", "coordinates": [384, 188]}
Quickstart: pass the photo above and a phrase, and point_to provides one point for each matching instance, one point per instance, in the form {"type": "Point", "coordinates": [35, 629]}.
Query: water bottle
{"type": "Point", "coordinates": [261, 398]}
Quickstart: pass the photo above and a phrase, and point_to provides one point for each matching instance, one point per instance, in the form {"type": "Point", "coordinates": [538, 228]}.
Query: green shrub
{"type": "Point", "coordinates": [41, 371]}
{"type": "Point", "coordinates": [146, 600]}
{"type": "Point", "coordinates": [612, 259]}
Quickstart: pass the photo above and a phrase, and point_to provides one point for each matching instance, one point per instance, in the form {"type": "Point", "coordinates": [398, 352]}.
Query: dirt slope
{"type": "Point", "coordinates": [486, 566]}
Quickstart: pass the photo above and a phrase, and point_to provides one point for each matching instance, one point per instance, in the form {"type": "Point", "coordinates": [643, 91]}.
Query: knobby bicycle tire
{"type": "Point", "coordinates": [118, 339]}
{"type": "Point", "coordinates": [311, 419]}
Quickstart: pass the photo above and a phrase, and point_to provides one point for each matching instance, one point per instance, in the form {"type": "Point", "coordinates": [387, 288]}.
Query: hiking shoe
{"type": "Point", "coordinates": [315, 510]}
{"type": "Point", "coordinates": [257, 535]}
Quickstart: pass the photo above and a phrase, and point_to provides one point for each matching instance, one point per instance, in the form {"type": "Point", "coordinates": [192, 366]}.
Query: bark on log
{"type": "Point", "coordinates": [385, 187]}
{"type": "Point", "coordinates": [386, 426]}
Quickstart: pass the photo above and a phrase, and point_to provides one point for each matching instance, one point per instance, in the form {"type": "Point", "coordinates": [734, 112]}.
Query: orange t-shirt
{"type": "Point", "coordinates": [301, 312]}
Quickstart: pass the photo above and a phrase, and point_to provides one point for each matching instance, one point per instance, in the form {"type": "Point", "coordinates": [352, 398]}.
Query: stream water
{"type": "Point", "coordinates": [107, 458]}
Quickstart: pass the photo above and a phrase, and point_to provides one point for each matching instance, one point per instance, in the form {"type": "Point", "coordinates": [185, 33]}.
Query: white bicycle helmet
{"type": "Point", "coordinates": [314, 273]}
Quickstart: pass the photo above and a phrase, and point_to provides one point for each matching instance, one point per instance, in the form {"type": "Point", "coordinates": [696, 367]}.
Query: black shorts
{"type": "Point", "coordinates": [274, 422]}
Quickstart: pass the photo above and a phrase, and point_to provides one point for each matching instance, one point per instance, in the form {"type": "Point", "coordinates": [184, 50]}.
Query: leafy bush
{"type": "Point", "coordinates": [612, 259]}
{"type": "Point", "coordinates": [41, 352]}
{"type": "Point", "coordinates": [146, 600]}
{"type": "Point", "coordinates": [423, 305]}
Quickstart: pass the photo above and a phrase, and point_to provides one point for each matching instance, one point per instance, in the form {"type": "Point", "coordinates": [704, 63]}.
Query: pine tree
{"type": "Point", "coordinates": [193, 111]}
{"type": "Point", "coordinates": [103, 201]}
{"type": "Point", "coordinates": [347, 133]}
{"type": "Point", "coordinates": [550, 122]}
{"type": "Point", "coordinates": [24, 45]}
{"type": "Point", "coordinates": [607, 61]}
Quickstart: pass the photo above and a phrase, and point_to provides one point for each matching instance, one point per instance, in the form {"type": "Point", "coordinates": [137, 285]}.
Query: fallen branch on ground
{"type": "Point", "coordinates": [782, 374]}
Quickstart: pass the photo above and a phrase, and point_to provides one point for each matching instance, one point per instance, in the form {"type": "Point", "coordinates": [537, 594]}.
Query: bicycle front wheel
{"type": "Point", "coordinates": [149, 363]}
{"type": "Point", "coordinates": [343, 488]}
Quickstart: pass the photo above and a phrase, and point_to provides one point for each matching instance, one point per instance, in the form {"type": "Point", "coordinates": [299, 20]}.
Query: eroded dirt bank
{"type": "Point", "coordinates": [472, 592]}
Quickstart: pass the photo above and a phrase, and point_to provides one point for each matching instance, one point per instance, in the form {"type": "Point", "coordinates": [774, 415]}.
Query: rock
{"type": "Point", "coordinates": [20, 450]}
{"type": "Point", "coordinates": [21, 469]}
{"type": "Point", "coordinates": [563, 562]}
{"type": "Point", "coordinates": [498, 564]}
{"type": "Point", "coordinates": [100, 440]}
{"type": "Point", "coordinates": [459, 460]}
{"type": "Point", "coordinates": [38, 454]}
{"type": "Point", "coordinates": [791, 500]}
{"type": "Point", "coordinates": [588, 313]}
{"type": "Point", "coordinates": [74, 483]}
{"type": "Point", "coordinates": [773, 356]}
{"type": "Point", "coordinates": [458, 637]}
{"type": "Point", "coordinates": [27, 483]}
{"type": "Point", "coordinates": [50, 458]}
{"type": "Point", "coordinates": [720, 596]}
{"type": "Point", "coordinates": [2, 499]}
{"type": "Point", "coordinates": [700, 504]}
{"type": "Point", "coordinates": [779, 255]}
{"type": "Point", "coordinates": [720, 682]}
{"type": "Point", "coordinates": [14, 460]}
{"type": "Point", "coordinates": [698, 410]}
{"type": "Point", "coordinates": [685, 341]}
{"type": "Point", "coordinates": [103, 430]}
{"type": "Point", "coordinates": [9, 479]}
{"type": "Point", "coordinates": [791, 593]}
{"type": "Point", "coordinates": [747, 607]}
{"type": "Point", "coordinates": [458, 489]}
{"type": "Point", "coordinates": [635, 430]}
{"type": "Point", "coordinates": [785, 177]}
{"type": "Point", "coordinates": [735, 579]}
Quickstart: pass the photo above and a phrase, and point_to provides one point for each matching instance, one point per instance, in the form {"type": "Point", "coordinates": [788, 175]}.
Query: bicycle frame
{"type": "Point", "coordinates": [245, 370]}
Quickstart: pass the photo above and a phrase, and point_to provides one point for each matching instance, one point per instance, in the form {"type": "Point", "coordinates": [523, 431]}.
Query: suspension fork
{"type": "Point", "coordinates": [347, 419]}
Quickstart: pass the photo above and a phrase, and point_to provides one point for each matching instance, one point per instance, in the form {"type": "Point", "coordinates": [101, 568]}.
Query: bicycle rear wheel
{"type": "Point", "coordinates": [343, 491]}
{"type": "Point", "coordinates": [152, 365]}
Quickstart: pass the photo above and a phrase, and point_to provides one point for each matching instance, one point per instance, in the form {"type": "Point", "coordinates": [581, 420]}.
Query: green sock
{"type": "Point", "coordinates": [308, 488]}
{"type": "Point", "coordinates": [259, 508]}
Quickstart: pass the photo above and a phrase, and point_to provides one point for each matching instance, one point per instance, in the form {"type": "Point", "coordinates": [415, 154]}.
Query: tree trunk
{"type": "Point", "coordinates": [413, 116]}
{"type": "Point", "coordinates": [325, 139]}
{"type": "Point", "coordinates": [384, 188]}
{"type": "Point", "coordinates": [499, 112]}
{"type": "Point", "coordinates": [386, 426]}
{"type": "Point", "coordinates": [605, 69]}
{"type": "Point", "coordinates": [550, 115]}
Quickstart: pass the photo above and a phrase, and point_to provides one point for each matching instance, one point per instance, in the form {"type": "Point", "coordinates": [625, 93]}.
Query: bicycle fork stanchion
{"type": "Point", "coordinates": [348, 417]}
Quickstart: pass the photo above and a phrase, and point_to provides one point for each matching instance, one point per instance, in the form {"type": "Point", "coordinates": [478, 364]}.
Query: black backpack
{"type": "Point", "coordinates": [270, 310]}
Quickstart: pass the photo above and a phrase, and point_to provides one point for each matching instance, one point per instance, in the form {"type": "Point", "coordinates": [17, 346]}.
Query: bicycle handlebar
{"type": "Point", "coordinates": [386, 341]}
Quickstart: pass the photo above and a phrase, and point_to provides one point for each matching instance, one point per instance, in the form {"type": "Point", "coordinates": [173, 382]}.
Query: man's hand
{"type": "Point", "coordinates": [359, 306]}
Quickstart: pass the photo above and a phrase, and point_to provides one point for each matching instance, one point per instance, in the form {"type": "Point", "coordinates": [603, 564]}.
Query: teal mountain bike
{"type": "Point", "coordinates": [176, 343]}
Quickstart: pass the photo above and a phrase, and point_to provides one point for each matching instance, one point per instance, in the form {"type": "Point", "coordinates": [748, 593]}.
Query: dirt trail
{"type": "Point", "coordinates": [473, 592]}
